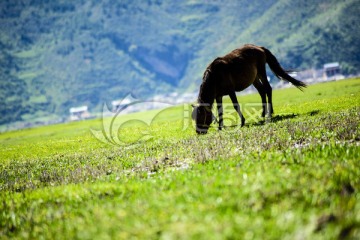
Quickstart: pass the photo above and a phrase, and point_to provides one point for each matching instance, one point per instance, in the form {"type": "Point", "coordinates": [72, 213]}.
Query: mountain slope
{"type": "Point", "coordinates": [310, 33]}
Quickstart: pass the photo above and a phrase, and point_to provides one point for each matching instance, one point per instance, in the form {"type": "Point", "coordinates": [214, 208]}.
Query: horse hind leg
{"type": "Point", "coordinates": [261, 89]}
{"type": "Point", "coordinates": [268, 90]}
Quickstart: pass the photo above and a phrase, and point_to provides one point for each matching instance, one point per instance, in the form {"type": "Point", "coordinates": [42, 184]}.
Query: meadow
{"type": "Point", "coordinates": [149, 176]}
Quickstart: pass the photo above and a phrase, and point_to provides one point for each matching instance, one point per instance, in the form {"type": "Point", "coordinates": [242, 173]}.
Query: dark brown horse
{"type": "Point", "coordinates": [233, 73]}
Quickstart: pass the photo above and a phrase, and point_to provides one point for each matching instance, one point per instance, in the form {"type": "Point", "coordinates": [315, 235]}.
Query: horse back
{"type": "Point", "coordinates": [239, 69]}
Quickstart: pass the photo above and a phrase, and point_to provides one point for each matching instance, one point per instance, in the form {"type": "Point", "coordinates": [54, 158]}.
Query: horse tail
{"type": "Point", "coordinates": [280, 72]}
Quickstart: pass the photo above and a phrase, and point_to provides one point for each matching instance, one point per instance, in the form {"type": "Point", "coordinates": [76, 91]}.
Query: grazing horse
{"type": "Point", "coordinates": [233, 73]}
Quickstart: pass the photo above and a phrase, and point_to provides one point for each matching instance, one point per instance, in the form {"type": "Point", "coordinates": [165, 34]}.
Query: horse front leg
{"type": "Point", "coordinates": [220, 111]}
{"type": "Point", "coordinates": [237, 107]}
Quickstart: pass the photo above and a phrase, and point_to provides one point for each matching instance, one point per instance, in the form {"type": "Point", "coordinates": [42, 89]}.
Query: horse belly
{"type": "Point", "coordinates": [244, 79]}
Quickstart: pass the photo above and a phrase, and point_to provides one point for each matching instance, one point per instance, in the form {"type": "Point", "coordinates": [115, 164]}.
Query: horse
{"type": "Point", "coordinates": [235, 72]}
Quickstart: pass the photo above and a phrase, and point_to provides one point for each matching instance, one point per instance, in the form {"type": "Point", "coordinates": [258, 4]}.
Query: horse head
{"type": "Point", "coordinates": [203, 117]}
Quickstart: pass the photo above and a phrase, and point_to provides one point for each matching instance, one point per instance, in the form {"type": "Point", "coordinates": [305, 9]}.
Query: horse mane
{"type": "Point", "coordinates": [207, 94]}
{"type": "Point", "coordinates": [205, 82]}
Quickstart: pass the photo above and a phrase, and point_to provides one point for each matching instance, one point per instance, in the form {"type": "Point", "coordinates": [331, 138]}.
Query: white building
{"type": "Point", "coordinates": [79, 113]}
{"type": "Point", "coordinates": [332, 71]}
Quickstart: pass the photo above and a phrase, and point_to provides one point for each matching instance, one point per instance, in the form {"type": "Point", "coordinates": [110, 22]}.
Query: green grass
{"type": "Point", "coordinates": [294, 177]}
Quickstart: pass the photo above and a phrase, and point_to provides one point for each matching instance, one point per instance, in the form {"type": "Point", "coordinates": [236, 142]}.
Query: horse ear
{"type": "Point", "coordinates": [193, 105]}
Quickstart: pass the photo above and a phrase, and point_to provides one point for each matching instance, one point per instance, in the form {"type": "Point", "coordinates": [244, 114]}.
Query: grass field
{"type": "Point", "coordinates": [294, 177]}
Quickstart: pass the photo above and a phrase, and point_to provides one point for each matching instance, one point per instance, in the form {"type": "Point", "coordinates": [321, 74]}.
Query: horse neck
{"type": "Point", "coordinates": [207, 93]}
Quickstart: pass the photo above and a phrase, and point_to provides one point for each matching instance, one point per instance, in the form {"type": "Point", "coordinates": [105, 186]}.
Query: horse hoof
{"type": "Point", "coordinates": [242, 122]}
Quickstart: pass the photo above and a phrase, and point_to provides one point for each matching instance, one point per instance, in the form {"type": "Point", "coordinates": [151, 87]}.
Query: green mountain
{"type": "Point", "coordinates": [59, 54]}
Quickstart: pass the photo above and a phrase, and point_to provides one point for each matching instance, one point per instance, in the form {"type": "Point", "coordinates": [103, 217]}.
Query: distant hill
{"type": "Point", "coordinates": [59, 54]}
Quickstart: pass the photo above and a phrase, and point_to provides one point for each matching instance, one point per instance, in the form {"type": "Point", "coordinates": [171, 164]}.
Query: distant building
{"type": "Point", "coordinates": [332, 71]}
{"type": "Point", "coordinates": [79, 113]}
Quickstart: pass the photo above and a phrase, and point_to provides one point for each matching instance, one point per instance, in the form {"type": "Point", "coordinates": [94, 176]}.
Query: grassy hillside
{"type": "Point", "coordinates": [296, 176]}
{"type": "Point", "coordinates": [307, 34]}
{"type": "Point", "coordinates": [59, 54]}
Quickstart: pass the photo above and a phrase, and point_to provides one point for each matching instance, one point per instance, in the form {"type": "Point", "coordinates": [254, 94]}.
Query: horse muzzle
{"type": "Point", "coordinates": [202, 129]}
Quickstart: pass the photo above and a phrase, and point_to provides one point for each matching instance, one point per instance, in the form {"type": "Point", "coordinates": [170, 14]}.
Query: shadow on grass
{"type": "Point", "coordinates": [276, 118]}
{"type": "Point", "coordinates": [313, 113]}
